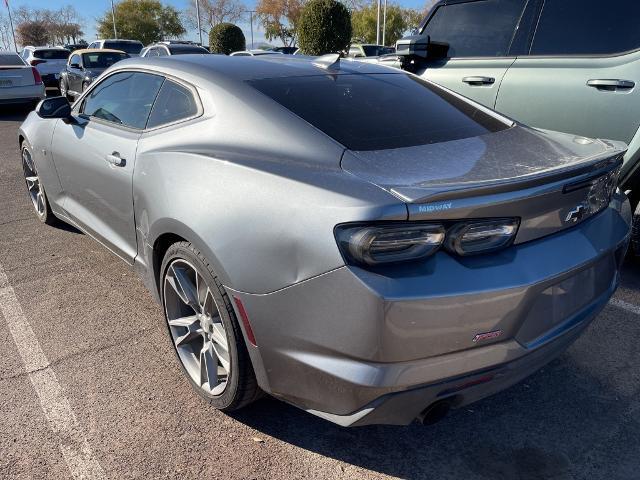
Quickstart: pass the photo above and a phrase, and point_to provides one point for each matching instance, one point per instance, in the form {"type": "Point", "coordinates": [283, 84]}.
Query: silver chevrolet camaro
{"type": "Point", "coordinates": [351, 239]}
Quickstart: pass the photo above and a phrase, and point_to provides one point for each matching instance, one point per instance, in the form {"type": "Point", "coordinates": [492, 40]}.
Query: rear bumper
{"type": "Point", "coordinates": [51, 79]}
{"type": "Point", "coordinates": [359, 347]}
{"type": "Point", "coordinates": [26, 94]}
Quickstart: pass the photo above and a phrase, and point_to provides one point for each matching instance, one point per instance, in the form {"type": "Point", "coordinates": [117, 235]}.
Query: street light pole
{"type": "Point", "coordinates": [251, 12]}
{"type": "Point", "coordinates": [384, 22]}
{"type": "Point", "coordinates": [198, 17]}
{"type": "Point", "coordinates": [378, 25]}
{"type": "Point", "coordinates": [13, 32]}
{"type": "Point", "coordinates": [113, 16]}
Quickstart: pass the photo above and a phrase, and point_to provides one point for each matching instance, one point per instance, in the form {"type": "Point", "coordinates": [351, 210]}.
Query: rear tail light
{"type": "Point", "coordinates": [36, 76]}
{"type": "Point", "coordinates": [392, 243]}
{"type": "Point", "coordinates": [469, 238]}
{"type": "Point", "coordinates": [36, 62]}
{"type": "Point", "coordinates": [401, 242]}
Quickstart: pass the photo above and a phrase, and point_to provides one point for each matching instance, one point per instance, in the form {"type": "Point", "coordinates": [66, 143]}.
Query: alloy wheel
{"type": "Point", "coordinates": [196, 327]}
{"type": "Point", "coordinates": [33, 183]}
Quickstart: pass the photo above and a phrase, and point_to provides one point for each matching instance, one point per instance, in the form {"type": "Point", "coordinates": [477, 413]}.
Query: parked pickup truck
{"type": "Point", "coordinates": [566, 65]}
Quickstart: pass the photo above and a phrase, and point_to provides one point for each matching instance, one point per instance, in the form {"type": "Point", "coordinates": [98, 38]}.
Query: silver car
{"type": "Point", "coordinates": [349, 238]}
{"type": "Point", "coordinates": [19, 83]}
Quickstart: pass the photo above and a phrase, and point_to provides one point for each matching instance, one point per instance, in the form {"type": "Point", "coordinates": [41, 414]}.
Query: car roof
{"type": "Point", "coordinates": [96, 50]}
{"type": "Point", "coordinates": [220, 67]}
{"type": "Point", "coordinates": [46, 48]}
{"type": "Point", "coordinates": [118, 40]}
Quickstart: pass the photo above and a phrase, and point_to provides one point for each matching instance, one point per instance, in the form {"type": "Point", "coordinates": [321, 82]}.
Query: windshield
{"type": "Point", "coordinates": [102, 59]}
{"type": "Point", "coordinates": [379, 111]}
{"type": "Point", "coordinates": [11, 60]}
{"type": "Point", "coordinates": [57, 54]}
{"type": "Point", "coordinates": [129, 47]}
{"type": "Point", "coordinates": [376, 50]}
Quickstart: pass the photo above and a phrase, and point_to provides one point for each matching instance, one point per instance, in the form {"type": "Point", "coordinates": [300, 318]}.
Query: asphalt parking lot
{"type": "Point", "coordinates": [101, 393]}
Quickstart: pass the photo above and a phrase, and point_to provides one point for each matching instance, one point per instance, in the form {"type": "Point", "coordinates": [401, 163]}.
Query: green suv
{"type": "Point", "coordinates": [566, 65]}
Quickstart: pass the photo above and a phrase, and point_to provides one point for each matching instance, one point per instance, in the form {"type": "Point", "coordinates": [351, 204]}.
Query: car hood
{"type": "Point", "coordinates": [515, 158]}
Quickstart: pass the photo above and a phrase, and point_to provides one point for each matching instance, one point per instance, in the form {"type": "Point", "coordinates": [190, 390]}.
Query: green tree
{"type": "Point", "coordinates": [324, 27]}
{"type": "Point", "coordinates": [399, 21]}
{"type": "Point", "coordinates": [226, 38]}
{"type": "Point", "coordinates": [144, 20]}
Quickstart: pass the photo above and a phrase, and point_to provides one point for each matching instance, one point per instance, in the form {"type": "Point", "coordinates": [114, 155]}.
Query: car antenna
{"type": "Point", "coordinates": [330, 61]}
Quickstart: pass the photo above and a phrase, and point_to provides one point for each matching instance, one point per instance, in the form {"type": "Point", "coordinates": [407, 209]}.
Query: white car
{"type": "Point", "coordinates": [254, 53]}
{"type": "Point", "coordinates": [49, 61]}
{"type": "Point", "coordinates": [19, 82]}
{"type": "Point", "coordinates": [131, 47]}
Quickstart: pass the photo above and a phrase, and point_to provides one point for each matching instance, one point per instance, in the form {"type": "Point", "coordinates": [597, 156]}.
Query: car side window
{"type": "Point", "coordinates": [175, 102]}
{"type": "Point", "coordinates": [75, 59]}
{"type": "Point", "coordinates": [586, 27]}
{"type": "Point", "coordinates": [93, 45]}
{"type": "Point", "coordinates": [153, 52]}
{"type": "Point", "coordinates": [481, 28]}
{"type": "Point", "coordinates": [124, 98]}
{"type": "Point", "coordinates": [161, 52]}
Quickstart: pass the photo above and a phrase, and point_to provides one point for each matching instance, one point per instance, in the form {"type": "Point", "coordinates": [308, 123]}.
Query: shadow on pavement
{"type": "Point", "coordinates": [558, 424]}
{"type": "Point", "coordinates": [14, 113]}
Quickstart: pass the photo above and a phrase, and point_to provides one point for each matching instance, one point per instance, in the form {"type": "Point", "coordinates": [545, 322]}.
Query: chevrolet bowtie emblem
{"type": "Point", "coordinates": [576, 214]}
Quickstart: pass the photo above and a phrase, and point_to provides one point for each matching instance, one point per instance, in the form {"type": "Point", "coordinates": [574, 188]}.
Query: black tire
{"type": "Point", "coordinates": [242, 387]}
{"type": "Point", "coordinates": [64, 90]}
{"type": "Point", "coordinates": [46, 215]}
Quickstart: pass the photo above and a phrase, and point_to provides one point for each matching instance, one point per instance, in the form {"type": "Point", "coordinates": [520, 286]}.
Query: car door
{"type": "Point", "coordinates": [74, 73]}
{"type": "Point", "coordinates": [480, 34]}
{"type": "Point", "coordinates": [582, 74]}
{"type": "Point", "coordinates": [95, 152]}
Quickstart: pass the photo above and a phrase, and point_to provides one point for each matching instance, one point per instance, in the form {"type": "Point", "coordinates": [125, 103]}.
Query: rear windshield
{"type": "Point", "coordinates": [129, 47]}
{"type": "Point", "coordinates": [379, 111]}
{"type": "Point", "coordinates": [376, 50]}
{"type": "Point", "coordinates": [183, 50]}
{"type": "Point", "coordinates": [57, 54]}
{"type": "Point", "coordinates": [11, 60]}
{"type": "Point", "coordinates": [102, 60]}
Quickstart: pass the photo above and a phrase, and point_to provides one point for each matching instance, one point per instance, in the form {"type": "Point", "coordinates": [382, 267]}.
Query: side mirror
{"type": "Point", "coordinates": [54, 107]}
{"type": "Point", "coordinates": [75, 65]}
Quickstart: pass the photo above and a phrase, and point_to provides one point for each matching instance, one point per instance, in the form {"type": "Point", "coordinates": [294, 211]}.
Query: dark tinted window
{"type": "Point", "coordinates": [102, 59]}
{"type": "Point", "coordinates": [583, 27]}
{"type": "Point", "coordinates": [57, 54]}
{"type": "Point", "coordinates": [380, 111]}
{"type": "Point", "coordinates": [174, 103]}
{"type": "Point", "coordinates": [184, 49]}
{"type": "Point", "coordinates": [128, 47]}
{"type": "Point", "coordinates": [476, 29]}
{"type": "Point", "coordinates": [124, 98]}
{"type": "Point", "coordinates": [10, 60]}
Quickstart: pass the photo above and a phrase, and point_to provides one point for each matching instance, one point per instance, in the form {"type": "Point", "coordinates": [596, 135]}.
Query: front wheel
{"type": "Point", "coordinates": [64, 91]}
{"type": "Point", "coordinates": [35, 189]}
{"type": "Point", "coordinates": [205, 333]}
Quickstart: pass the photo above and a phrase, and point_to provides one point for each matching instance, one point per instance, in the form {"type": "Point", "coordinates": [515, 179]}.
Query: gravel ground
{"type": "Point", "coordinates": [101, 334]}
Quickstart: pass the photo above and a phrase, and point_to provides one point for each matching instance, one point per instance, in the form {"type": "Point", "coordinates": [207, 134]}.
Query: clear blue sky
{"type": "Point", "coordinates": [92, 9]}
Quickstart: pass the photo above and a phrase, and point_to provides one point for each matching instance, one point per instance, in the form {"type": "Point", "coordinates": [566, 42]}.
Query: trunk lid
{"type": "Point", "coordinates": [519, 172]}
{"type": "Point", "coordinates": [16, 77]}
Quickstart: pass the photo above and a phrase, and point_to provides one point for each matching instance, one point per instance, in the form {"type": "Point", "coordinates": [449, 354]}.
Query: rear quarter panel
{"type": "Point", "coordinates": [258, 193]}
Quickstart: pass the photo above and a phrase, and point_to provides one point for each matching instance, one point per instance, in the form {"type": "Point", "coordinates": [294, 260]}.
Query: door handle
{"type": "Point", "coordinates": [479, 80]}
{"type": "Point", "coordinates": [115, 159]}
{"type": "Point", "coordinates": [611, 84]}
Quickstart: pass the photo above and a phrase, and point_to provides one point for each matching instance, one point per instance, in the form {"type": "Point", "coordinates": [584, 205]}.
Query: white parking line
{"type": "Point", "coordinates": [629, 307]}
{"type": "Point", "coordinates": [55, 405]}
